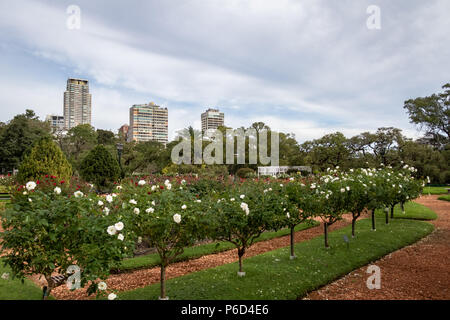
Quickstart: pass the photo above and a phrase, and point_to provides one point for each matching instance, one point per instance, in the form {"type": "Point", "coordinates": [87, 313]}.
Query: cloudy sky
{"type": "Point", "coordinates": [308, 67]}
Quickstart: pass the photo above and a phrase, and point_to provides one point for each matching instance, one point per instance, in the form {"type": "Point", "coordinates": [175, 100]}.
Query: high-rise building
{"type": "Point", "coordinates": [77, 103]}
{"type": "Point", "coordinates": [123, 131]}
{"type": "Point", "coordinates": [212, 119]}
{"type": "Point", "coordinates": [56, 122]}
{"type": "Point", "coordinates": [148, 122]}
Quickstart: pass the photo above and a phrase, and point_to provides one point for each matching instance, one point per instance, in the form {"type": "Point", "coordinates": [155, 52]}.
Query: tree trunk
{"type": "Point", "coordinates": [292, 242]}
{"type": "Point", "coordinates": [163, 281]}
{"type": "Point", "coordinates": [47, 289]}
{"type": "Point", "coordinates": [373, 219]}
{"type": "Point", "coordinates": [353, 226]}
{"type": "Point", "coordinates": [325, 230]}
{"type": "Point", "coordinates": [387, 216]}
{"type": "Point", "coordinates": [403, 207]}
{"type": "Point", "coordinates": [241, 252]}
{"type": "Point", "coordinates": [392, 212]}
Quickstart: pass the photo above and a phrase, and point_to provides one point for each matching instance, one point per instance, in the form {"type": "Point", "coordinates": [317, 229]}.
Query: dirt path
{"type": "Point", "coordinates": [145, 277]}
{"type": "Point", "coordinates": [418, 272]}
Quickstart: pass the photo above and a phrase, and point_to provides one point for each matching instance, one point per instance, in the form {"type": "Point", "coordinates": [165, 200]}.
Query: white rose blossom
{"type": "Point", "coordinates": [111, 230]}
{"type": "Point", "coordinates": [120, 237]}
{"type": "Point", "coordinates": [136, 210]}
{"type": "Point", "coordinates": [183, 207]}
{"type": "Point", "coordinates": [112, 296]}
{"type": "Point", "coordinates": [102, 286]}
{"type": "Point", "coordinates": [57, 190]}
{"type": "Point", "coordinates": [177, 218]}
{"type": "Point", "coordinates": [141, 182]}
{"type": "Point", "coordinates": [30, 185]}
{"type": "Point", "coordinates": [109, 198]}
{"type": "Point", "coordinates": [119, 226]}
{"type": "Point", "coordinates": [150, 210]}
{"type": "Point", "coordinates": [100, 203]}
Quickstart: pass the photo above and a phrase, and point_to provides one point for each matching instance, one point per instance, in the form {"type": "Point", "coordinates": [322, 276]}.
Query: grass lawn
{"type": "Point", "coordinates": [413, 210]}
{"type": "Point", "coordinates": [273, 275]}
{"type": "Point", "coordinates": [445, 198]}
{"type": "Point", "coordinates": [151, 260]}
{"type": "Point", "coordinates": [15, 290]}
{"type": "Point", "coordinates": [435, 190]}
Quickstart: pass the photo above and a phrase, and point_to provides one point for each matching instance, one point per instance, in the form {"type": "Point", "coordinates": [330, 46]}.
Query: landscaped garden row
{"type": "Point", "coordinates": [50, 224]}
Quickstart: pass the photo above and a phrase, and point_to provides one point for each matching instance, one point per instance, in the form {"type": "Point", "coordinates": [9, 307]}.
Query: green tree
{"type": "Point", "coordinates": [78, 141]}
{"type": "Point", "coordinates": [432, 114]}
{"type": "Point", "coordinates": [18, 136]}
{"type": "Point", "coordinates": [100, 168]}
{"type": "Point", "coordinates": [45, 158]}
{"type": "Point", "coordinates": [105, 137]}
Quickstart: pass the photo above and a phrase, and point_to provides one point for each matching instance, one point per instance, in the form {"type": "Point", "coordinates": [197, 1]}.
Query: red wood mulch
{"type": "Point", "coordinates": [418, 272]}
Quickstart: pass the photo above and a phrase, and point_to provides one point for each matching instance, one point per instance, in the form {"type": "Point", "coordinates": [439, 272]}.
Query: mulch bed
{"type": "Point", "coordinates": [144, 277]}
{"type": "Point", "coordinates": [417, 272]}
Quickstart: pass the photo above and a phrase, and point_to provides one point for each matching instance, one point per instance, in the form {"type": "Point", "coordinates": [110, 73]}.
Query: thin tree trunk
{"type": "Point", "coordinates": [46, 290]}
{"type": "Point", "coordinates": [292, 242]}
{"type": "Point", "coordinates": [163, 281]}
{"type": "Point", "coordinates": [373, 219]}
{"type": "Point", "coordinates": [392, 212]}
{"type": "Point", "coordinates": [387, 216]}
{"type": "Point", "coordinates": [403, 207]}
{"type": "Point", "coordinates": [241, 254]}
{"type": "Point", "coordinates": [325, 230]}
{"type": "Point", "coordinates": [353, 226]}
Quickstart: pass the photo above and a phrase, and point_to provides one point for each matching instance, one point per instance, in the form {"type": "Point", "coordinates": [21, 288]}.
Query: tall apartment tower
{"type": "Point", "coordinates": [148, 122]}
{"type": "Point", "coordinates": [212, 119]}
{"type": "Point", "coordinates": [77, 103]}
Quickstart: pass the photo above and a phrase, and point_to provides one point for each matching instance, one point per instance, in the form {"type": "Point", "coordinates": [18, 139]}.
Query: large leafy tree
{"type": "Point", "coordinates": [18, 136]}
{"type": "Point", "coordinates": [100, 168]}
{"type": "Point", "coordinates": [78, 141]}
{"type": "Point", "coordinates": [432, 115]}
{"type": "Point", "coordinates": [45, 158]}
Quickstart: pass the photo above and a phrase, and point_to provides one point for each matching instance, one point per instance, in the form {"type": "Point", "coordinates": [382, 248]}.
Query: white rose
{"type": "Point", "coordinates": [119, 226]}
{"type": "Point", "coordinates": [169, 186]}
{"type": "Point", "coordinates": [119, 187]}
{"type": "Point", "coordinates": [112, 296]}
{"type": "Point", "coordinates": [57, 190]}
{"type": "Point", "coordinates": [150, 210]}
{"type": "Point", "coordinates": [120, 237]}
{"type": "Point", "coordinates": [109, 198]}
{"type": "Point", "coordinates": [5, 276]}
{"type": "Point", "coordinates": [141, 182]}
{"type": "Point", "coordinates": [139, 240]}
{"type": "Point", "coordinates": [136, 210]}
{"type": "Point", "coordinates": [106, 210]}
{"type": "Point", "coordinates": [153, 203]}
{"type": "Point", "coordinates": [111, 230]}
{"type": "Point", "coordinates": [177, 218]}
{"type": "Point", "coordinates": [242, 196]}
{"type": "Point", "coordinates": [30, 200]}
{"type": "Point", "coordinates": [183, 207]}
{"type": "Point", "coordinates": [342, 190]}
{"type": "Point", "coordinates": [100, 203]}
{"type": "Point", "coordinates": [232, 199]}
{"type": "Point", "coordinates": [78, 194]}
{"type": "Point", "coordinates": [198, 200]}
{"type": "Point", "coordinates": [102, 286]}
{"type": "Point", "coordinates": [132, 201]}
{"type": "Point", "coordinates": [30, 185]}
{"type": "Point", "coordinates": [288, 215]}
{"type": "Point", "coordinates": [153, 188]}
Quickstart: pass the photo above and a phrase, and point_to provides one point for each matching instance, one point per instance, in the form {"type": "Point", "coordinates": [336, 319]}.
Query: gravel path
{"type": "Point", "coordinates": [417, 272]}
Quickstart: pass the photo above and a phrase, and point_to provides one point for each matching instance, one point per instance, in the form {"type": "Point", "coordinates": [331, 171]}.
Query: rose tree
{"type": "Point", "coordinates": [241, 214]}
{"type": "Point", "coordinates": [168, 217]}
{"type": "Point", "coordinates": [46, 232]}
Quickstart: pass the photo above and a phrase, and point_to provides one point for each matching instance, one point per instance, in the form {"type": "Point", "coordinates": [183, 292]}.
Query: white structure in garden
{"type": "Point", "coordinates": [277, 170]}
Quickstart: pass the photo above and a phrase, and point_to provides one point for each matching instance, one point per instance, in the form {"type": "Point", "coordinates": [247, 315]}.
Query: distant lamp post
{"type": "Point", "coordinates": [119, 147]}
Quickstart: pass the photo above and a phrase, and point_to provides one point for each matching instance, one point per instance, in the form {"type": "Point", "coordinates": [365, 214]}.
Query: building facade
{"type": "Point", "coordinates": [212, 119]}
{"type": "Point", "coordinates": [57, 123]}
{"type": "Point", "coordinates": [77, 103]}
{"type": "Point", "coordinates": [148, 122]}
{"type": "Point", "coordinates": [123, 131]}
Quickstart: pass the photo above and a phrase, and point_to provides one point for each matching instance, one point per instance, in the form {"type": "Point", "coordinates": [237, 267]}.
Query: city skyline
{"type": "Point", "coordinates": [309, 68]}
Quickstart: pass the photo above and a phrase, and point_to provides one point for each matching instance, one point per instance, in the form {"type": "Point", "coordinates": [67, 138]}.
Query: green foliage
{"type": "Point", "coordinates": [245, 172]}
{"type": "Point", "coordinates": [45, 158]}
{"type": "Point", "coordinates": [46, 231]}
{"type": "Point", "coordinates": [432, 113]}
{"type": "Point", "coordinates": [100, 168]}
{"type": "Point", "coordinates": [444, 198]}
{"type": "Point", "coordinates": [18, 136]}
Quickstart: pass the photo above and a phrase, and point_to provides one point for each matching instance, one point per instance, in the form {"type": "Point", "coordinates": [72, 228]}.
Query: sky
{"type": "Point", "coordinates": [307, 67]}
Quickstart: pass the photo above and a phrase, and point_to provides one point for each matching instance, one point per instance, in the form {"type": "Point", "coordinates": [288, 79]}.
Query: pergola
{"type": "Point", "coordinates": [276, 170]}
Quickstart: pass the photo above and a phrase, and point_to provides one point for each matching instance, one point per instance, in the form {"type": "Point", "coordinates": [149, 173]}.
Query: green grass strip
{"type": "Point", "coordinates": [413, 210]}
{"type": "Point", "coordinates": [445, 198]}
{"type": "Point", "coordinates": [14, 289]}
{"type": "Point", "coordinates": [152, 260]}
{"type": "Point", "coordinates": [273, 275]}
{"type": "Point", "coordinates": [435, 190]}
